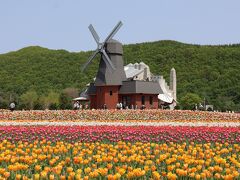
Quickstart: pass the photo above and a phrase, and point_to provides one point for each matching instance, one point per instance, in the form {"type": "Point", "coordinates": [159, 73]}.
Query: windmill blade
{"type": "Point", "coordinates": [108, 61]}
{"type": "Point", "coordinates": [94, 33]}
{"type": "Point", "coordinates": [114, 31]}
{"type": "Point", "coordinates": [90, 60]}
{"type": "Point", "coordinates": [107, 64]}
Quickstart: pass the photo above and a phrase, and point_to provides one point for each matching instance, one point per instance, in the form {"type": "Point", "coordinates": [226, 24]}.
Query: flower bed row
{"type": "Point", "coordinates": [114, 115]}
{"type": "Point", "coordinates": [119, 152]}
{"type": "Point", "coordinates": [119, 160]}
{"type": "Point", "coordinates": [158, 134]}
{"type": "Point", "coordinates": [118, 123]}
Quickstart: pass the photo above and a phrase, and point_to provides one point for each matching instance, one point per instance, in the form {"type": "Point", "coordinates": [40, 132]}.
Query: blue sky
{"type": "Point", "coordinates": [62, 24]}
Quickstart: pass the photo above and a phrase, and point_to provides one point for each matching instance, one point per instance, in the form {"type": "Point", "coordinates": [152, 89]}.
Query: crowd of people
{"type": "Point", "coordinates": [119, 106]}
{"type": "Point", "coordinates": [78, 106]}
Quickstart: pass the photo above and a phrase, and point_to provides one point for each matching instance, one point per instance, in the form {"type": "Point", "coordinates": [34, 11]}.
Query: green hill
{"type": "Point", "coordinates": [209, 71]}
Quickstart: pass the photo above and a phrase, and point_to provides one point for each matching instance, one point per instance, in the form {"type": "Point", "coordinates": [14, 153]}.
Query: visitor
{"type": "Point", "coordinates": [143, 107]}
{"type": "Point", "coordinates": [12, 106]}
{"type": "Point", "coordinates": [76, 105]}
{"type": "Point", "coordinates": [120, 106]}
{"type": "Point", "coordinates": [136, 106]}
{"type": "Point", "coordinates": [196, 107]}
{"type": "Point", "coordinates": [132, 107]}
{"type": "Point", "coordinates": [104, 106]}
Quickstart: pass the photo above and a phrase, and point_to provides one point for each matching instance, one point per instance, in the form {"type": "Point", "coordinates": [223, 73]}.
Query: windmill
{"type": "Point", "coordinates": [111, 70]}
{"type": "Point", "coordinates": [111, 84]}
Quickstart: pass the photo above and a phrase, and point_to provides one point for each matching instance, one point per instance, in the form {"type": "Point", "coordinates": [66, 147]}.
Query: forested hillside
{"type": "Point", "coordinates": [208, 71]}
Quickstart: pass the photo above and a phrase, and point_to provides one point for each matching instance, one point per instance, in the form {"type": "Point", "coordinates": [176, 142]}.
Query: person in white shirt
{"type": "Point", "coordinates": [120, 106]}
{"type": "Point", "coordinates": [12, 106]}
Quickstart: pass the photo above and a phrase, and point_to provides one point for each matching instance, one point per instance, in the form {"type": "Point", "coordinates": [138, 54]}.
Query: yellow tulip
{"type": "Point", "coordinates": [156, 175]}
{"type": "Point", "coordinates": [87, 170]}
{"type": "Point", "coordinates": [43, 174]}
{"type": "Point", "coordinates": [79, 171]}
{"type": "Point", "coordinates": [121, 171]}
{"type": "Point", "coordinates": [117, 176]}
{"type": "Point", "coordinates": [36, 176]}
{"type": "Point", "coordinates": [235, 174]}
{"type": "Point", "coordinates": [6, 174]}
{"type": "Point", "coordinates": [110, 177]}
{"type": "Point", "coordinates": [51, 176]}
{"type": "Point", "coordinates": [69, 169]}
{"type": "Point", "coordinates": [171, 176]}
{"type": "Point", "coordinates": [109, 166]}
{"type": "Point", "coordinates": [217, 176]}
{"type": "Point", "coordinates": [24, 178]}
{"type": "Point", "coordinates": [18, 176]}
{"type": "Point", "coordinates": [197, 176]}
{"type": "Point", "coordinates": [62, 177]}
{"type": "Point", "coordinates": [192, 175]}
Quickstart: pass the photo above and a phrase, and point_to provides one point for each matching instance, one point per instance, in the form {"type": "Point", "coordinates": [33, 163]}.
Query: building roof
{"type": "Point", "coordinates": [91, 89]}
{"type": "Point", "coordinates": [165, 98]}
{"type": "Point", "coordinates": [132, 72]}
{"type": "Point", "coordinates": [80, 99]}
{"type": "Point", "coordinates": [137, 87]}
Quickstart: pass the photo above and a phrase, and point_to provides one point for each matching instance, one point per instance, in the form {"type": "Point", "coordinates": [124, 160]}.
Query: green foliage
{"type": "Point", "coordinates": [65, 101]}
{"type": "Point", "coordinates": [29, 99]}
{"type": "Point", "coordinates": [209, 71]}
{"type": "Point", "coordinates": [189, 101]}
{"type": "Point", "coordinates": [52, 99]}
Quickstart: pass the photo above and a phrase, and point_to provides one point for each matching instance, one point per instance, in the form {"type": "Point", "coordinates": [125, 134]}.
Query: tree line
{"type": "Point", "coordinates": [52, 100]}
{"type": "Point", "coordinates": [209, 72]}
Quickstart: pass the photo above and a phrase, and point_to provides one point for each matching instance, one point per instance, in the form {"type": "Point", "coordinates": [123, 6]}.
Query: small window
{"type": "Point", "coordinates": [151, 100]}
{"type": "Point", "coordinates": [143, 100]}
{"type": "Point", "coordinates": [110, 93]}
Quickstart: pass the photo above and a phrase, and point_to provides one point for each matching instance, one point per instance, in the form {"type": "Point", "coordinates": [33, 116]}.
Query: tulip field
{"type": "Point", "coordinates": [115, 115]}
{"type": "Point", "coordinates": [149, 144]}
